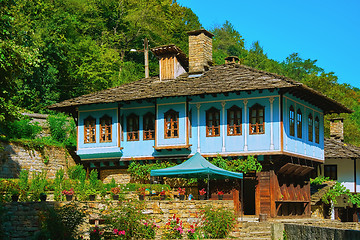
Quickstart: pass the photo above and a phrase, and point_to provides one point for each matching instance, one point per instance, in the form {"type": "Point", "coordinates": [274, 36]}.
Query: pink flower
{"type": "Point", "coordinates": [115, 231]}
{"type": "Point", "coordinates": [145, 223]}
{"type": "Point", "coordinates": [122, 232]}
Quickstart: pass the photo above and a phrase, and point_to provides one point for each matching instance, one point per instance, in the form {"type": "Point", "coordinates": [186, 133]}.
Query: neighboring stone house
{"type": "Point", "coordinates": [231, 110]}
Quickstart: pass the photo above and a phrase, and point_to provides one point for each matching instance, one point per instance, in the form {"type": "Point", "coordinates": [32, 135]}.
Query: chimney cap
{"type": "Point", "coordinates": [337, 119]}
{"type": "Point", "coordinates": [197, 32]}
{"type": "Point", "coordinates": [232, 59]}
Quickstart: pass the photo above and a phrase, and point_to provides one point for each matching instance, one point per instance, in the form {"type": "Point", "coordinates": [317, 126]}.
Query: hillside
{"type": "Point", "coordinates": [52, 50]}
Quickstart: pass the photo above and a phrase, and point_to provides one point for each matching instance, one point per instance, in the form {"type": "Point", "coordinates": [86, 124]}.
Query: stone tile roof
{"type": "Point", "coordinates": [218, 79]}
{"type": "Point", "coordinates": [318, 191]}
{"type": "Point", "coordinates": [337, 149]}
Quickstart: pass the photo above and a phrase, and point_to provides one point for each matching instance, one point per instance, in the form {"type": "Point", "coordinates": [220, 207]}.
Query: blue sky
{"type": "Point", "coordinates": [328, 31]}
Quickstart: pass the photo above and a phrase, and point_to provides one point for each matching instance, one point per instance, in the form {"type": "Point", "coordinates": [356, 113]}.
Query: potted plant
{"type": "Point", "coordinates": [181, 193]}
{"type": "Point", "coordinates": [202, 193]}
{"type": "Point", "coordinates": [68, 194]}
{"type": "Point", "coordinates": [220, 195]}
{"type": "Point", "coordinates": [141, 192]}
{"type": "Point", "coordinates": [91, 193]}
{"type": "Point", "coordinates": [162, 195]}
{"type": "Point", "coordinates": [115, 193]}
{"type": "Point", "coordinates": [43, 197]}
{"type": "Point", "coordinates": [15, 193]}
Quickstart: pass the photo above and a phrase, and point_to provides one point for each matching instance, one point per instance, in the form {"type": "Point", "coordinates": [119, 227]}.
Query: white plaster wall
{"type": "Point", "coordinates": [345, 172]}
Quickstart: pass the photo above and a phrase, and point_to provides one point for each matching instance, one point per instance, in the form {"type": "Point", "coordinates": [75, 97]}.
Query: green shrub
{"type": "Point", "coordinates": [58, 184]}
{"type": "Point", "coordinates": [62, 129]}
{"type": "Point", "coordinates": [77, 172]}
{"type": "Point", "coordinates": [37, 185]}
{"type": "Point", "coordinates": [24, 185]}
{"type": "Point", "coordinates": [60, 223]}
{"type": "Point", "coordinates": [22, 129]}
{"type": "Point", "coordinates": [128, 221]}
{"type": "Point", "coordinates": [218, 222]}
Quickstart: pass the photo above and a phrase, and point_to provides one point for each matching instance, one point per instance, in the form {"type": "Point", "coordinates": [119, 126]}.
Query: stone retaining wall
{"type": "Point", "coordinates": [14, 157]}
{"type": "Point", "coordinates": [22, 218]}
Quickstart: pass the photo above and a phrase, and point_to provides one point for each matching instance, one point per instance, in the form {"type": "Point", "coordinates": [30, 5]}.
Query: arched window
{"type": "Point", "coordinates": [132, 125]}
{"type": "Point", "coordinates": [234, 120]}
{"type": "Point", "coordinates": [171, 124]}
{"type": "Point", "coordinates": [213, 122]}
{"type": "Point", "coordinates": [310, 128]}
{"type": "Point", "coordinates": [317, 129]}
{"type": "Point", "coordinates": [257, 117]}
{"type": "Point", "coordinates": [105, 129]}
{"type": "Point", "coordinates": [149, 126]}
{"type": "Point", "coordinates": [299, 123]}
{"type": "Point", "coordinates": [90, 130]}
{"type": "Point", "coordinates": [292, 121]}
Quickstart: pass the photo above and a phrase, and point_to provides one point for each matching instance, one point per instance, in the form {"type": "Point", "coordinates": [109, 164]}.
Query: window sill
{"type": "Point", "coordinates": [159, 148]}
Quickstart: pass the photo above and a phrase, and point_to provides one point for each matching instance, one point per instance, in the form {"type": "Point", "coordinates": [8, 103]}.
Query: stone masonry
{"type": "Point", "coordinates": [200, 51]}
{"type": "Point", "coordinates": [14, 157]}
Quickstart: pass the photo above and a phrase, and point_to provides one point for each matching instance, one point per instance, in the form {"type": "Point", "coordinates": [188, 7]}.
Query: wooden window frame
{"type": "Point", "coordinates": [213, 124]}
{"type": "Point", "coordinates": [89, 130]}
{"type": "Point", "coordinates": [299, 121]}
{"type": "Point", "coordinates": [106, 128]}
{"type": "Point", "coordinates": [233, 127]}
{"type": "Point", "coordinates": [330, 170]}
{"type": "Point", "coordinates": [317, 129]}
{"type": "Point", "coordinates": [256, 107]}
{"type": "Point", "coordinates": [310, 127]}
{"type": "Point", "coordinates": [148, 130]}
{"type": "Point", "coordinates": [171, 126]}
{"type": "Point", "coordinates": [292, 121]}
{"type": "Point", "coordinates": [134, 134]}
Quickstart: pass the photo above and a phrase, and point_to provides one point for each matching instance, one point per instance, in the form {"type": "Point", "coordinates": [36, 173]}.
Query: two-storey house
{"type": "Point", "coordinates": [231, 109]}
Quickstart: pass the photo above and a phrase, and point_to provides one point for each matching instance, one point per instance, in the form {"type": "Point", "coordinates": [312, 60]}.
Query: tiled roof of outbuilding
{"type": "Point", "coordinates": [218, 79]}
{"type": "Point", "coordinates": [337, 149]}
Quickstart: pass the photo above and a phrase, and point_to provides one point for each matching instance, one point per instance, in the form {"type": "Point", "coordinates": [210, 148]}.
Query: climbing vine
{"type": "Point", "coordinates": [238, 165]}
{"type": "Point", "coordinates": [140, 171]}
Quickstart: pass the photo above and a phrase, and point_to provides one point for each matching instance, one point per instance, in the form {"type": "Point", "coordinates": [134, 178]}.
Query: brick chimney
{"type": "Point", "coordinates": [337, 129]}
{"type": "Point", "coordinates": [200, 51]}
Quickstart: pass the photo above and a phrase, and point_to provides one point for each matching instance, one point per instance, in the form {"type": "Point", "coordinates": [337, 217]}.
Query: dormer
{"type": "Point", "coordinates": [172, 61]}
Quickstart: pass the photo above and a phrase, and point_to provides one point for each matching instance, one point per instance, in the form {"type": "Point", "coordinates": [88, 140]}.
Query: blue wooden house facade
{"type": "Point", "coordinates": [231, 110]}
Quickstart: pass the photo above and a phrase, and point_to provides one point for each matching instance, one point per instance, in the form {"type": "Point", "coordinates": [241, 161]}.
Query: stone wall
{"type": "Point", "coordinates": [119, 175]}
{"type": "Point", "coordinates": [22, 218]}
{"type": "Point", "coordinates": [296, 231]}
{"type": "Point", "coordinates": [14, 157]}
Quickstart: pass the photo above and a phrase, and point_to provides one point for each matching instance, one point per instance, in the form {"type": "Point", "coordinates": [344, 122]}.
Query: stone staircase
{"type": "Point", "coordinates": [251, 228]}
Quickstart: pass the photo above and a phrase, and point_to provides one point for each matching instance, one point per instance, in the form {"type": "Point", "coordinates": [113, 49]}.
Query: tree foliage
{"type": "Point", "coordinates": [52, 50]}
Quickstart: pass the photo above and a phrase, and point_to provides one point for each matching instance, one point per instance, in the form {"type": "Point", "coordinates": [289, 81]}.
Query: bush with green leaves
{"type": "Point", "coordinates": [217, 222]}
{"type": "Point", "coordinates": [126, 219]}
{"type": "Point", "coordinates": [62, 129]}
{"type": "Point", "coordinates": [22, 129]}
{"type": "Point", "coordinates": [37, 185]}
{"type": "Point", "coordinates": [238, 165]}
{"type": "Point", "coordinates": [60, 223]}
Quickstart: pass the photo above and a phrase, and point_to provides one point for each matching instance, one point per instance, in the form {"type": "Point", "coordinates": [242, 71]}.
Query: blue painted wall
{"type": "Point", "coordinates": [97, 149]}
{"type": "Point", "coordinates": [269, 142]}
{"type": "Point", "coordinates": [303, 146]}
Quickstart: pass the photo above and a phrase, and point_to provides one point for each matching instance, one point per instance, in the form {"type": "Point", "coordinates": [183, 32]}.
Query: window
{"type": "Point", "coordinates": [330, 171]}
{"type": "Point", "coordinates": [89, 130]}
{"type": "Point", "coordinates": [234, 120]}
{"type": "Point", "coordinates": [105, 128]}
{"type": "Point", "coordinates": [299, 123]}
{"type": "Point", "coordinates": [257, 116]}
{"type": "Point", "coordinates": [132, 122]}
{"type": "Point", "coordinates": [149, 126]}
{"type": "Point", "coordinates": [292, 121]}
{"type": "Point", "coordinates": [310, 127]}
{"type": "Point", "coordinates": [171, 124]}
{"type": "Point", "coordinates": [317, 129]}
{"type": "Point", "coordinates": [213, 122]}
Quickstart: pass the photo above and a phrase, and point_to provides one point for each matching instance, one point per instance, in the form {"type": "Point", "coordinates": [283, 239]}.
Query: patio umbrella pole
{"type": "Point", "coordinates": [208, 187]}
